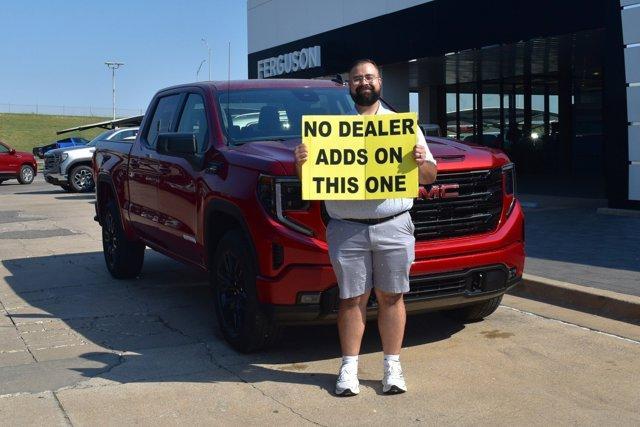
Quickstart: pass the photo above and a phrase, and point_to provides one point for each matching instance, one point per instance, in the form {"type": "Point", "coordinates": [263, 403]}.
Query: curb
{"type": "Point", "coordinates": [613, 305]}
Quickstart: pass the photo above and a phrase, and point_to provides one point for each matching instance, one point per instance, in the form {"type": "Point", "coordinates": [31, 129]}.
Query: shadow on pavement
{"type": "Point", "coordinates": [161, 326]}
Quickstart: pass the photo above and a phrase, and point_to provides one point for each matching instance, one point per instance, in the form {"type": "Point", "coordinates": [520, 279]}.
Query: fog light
{"type": "Point", "coordinates": [309, 298]}
{"type": "Point", "coordinates": [512, 273]}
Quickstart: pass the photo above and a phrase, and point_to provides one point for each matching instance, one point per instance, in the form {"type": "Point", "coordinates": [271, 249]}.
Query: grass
{"type": "Point", "coordinates": [25, 131]}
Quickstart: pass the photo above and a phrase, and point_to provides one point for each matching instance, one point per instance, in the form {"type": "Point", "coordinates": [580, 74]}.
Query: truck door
{"type": "Point", "coordinates": [178, 196]}
{"type": "Point", "coordinates": [7, 161]}
{"type": "Point", "coordinates": [143, 168]}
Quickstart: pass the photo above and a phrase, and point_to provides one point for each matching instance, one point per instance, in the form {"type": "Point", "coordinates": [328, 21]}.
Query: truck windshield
{"type": "Point", "coordinates": [276, 113]}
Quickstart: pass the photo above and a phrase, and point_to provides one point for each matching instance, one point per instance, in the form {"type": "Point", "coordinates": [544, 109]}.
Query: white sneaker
{"type": "Point", "coordinates": [347, 383]}
{"type": "Point", "coordinates": [393, 381]}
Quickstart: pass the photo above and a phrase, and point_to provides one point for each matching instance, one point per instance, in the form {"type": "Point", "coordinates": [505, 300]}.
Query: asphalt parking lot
{"type": "Point", "coordinates": [79, 348]}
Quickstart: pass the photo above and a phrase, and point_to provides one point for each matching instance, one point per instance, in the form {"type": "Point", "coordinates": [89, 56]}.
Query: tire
{"type": "Point", "coordinates": [242, 320]}
{"type": "Point", "coordinates": [123, 257]}
{"type": "Point", "coordinates": [81, 179]}
{"type": "Point", "coordinates": [27, 173]}
{"type": "Point", "coordinates": [475, 312]}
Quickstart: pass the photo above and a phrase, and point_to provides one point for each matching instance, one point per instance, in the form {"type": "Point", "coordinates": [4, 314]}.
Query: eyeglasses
{"type": "Point", "coordinates": [369, 78]}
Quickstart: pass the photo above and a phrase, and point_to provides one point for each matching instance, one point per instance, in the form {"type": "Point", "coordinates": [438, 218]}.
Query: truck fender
{"type": "Point", "coordinates": [231, 215]}
{"type": "Point", "coordinates": [105, 189]}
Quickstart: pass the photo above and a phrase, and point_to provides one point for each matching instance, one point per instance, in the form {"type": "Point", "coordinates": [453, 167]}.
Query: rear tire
{"type": "Point", "coordinates": [124, 258]}
{"type": "Point", "coordinates": [475, 312]}
{"type": "Point", "coordinates": [81, 179]}
{"type": "Point", "coordinates": [242, 320]}
{"type": "Point", "coordinates": [27, 173]}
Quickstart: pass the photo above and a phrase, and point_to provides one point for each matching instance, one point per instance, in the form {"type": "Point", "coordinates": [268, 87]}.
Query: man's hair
{"type": "Point", "coordinates": [364, 61]}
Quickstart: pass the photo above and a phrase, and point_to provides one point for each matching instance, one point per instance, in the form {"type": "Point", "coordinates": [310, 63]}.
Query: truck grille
{"type": "Point", "coordinates": [51, 162]}
{"type": "Point", "coordinates": [475, 210]}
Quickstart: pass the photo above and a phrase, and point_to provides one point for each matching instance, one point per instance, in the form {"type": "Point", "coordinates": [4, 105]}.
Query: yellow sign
{"type": "Point", "coordinates": [360, 157]}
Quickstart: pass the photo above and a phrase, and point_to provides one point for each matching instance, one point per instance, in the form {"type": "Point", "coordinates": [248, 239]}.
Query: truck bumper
{"type": "Point", "coordinates": [55, 178]}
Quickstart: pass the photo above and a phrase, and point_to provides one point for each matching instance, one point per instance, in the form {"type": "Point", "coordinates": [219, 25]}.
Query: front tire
{"type": "Point", "coordinates": [475, 312]}
{"type": "Point", "coordinates": [242, 321]}
{"type": "Point", "coordinates": [81, 179]}
{"type": "Point", "coordinates": [124, 258]}
{"type": "Point", "coordinates": [27, 174]}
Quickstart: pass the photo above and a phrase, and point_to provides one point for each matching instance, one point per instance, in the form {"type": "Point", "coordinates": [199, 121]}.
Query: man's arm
{"type": "Point", "coordinates": [427, 169]}
{"type": "Point", "coordinates": [427, 173]}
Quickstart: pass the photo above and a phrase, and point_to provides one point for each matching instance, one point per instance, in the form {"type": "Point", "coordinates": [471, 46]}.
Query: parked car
{"type": "Point", "coordinates": [16, 165]}
{"type": "Point", "coordinates": [224, 197]}
{"type": "Point", "coordinates": [70, 168]}
{"type": "Point", "coordinates": [61, 143]}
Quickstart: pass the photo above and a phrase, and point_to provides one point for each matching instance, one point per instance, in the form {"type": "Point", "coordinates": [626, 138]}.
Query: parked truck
{"type": "Point", "coordinates": [210, 180]}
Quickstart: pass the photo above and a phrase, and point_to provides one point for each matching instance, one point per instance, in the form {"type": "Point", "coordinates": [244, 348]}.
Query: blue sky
{"type": "Point", "coordinates": [53, 52]}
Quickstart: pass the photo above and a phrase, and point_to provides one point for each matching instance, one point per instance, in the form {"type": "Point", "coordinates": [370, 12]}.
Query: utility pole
{"type": "Point", "coordinates": [113, 66]}
{"type": "Point", "coordinates": [209, 51]}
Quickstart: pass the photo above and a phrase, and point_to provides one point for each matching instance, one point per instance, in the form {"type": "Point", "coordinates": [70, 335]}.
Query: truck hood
{"type": "Point", "coordinates": [90, 149]}
{"type": "Point", "coordinates": [450, 154]}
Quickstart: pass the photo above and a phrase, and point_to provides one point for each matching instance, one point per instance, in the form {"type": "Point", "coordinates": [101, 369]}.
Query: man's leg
{"type": "Point", "coordinates": [352, 317]}
{"type": "Point", "coordinates": [392, 318]}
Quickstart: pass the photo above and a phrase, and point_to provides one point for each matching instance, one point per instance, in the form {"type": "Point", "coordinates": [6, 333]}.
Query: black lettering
{"type": "Point", "coordinates": [324, 129]}
{"type": "Point", "coordinates": [386, 183]}
{"type": "Point", "coordinates": [318, 180]}
{"type": "Point", "coordinates": [370, 130]}
{"type": "Point", "coordinates": [362, 156]}
{"type": "Point", "coordinates": [381, 131]}
{"type": "Point", "coordinates": [349, 157]}
{"type": "Point", "coordinates": [333, 183]}
{"type": "Point", "coordinates": [310, 128]}
{"type": "Point", "coordinates": [381, 155]}
{"type": "Point", "coordinates": [335, 156]}
{"type": "Point", "coordinates": [394, 126]}
{"type": "Point", "coordinates": [407, 126]}
{"type": "Point", "coordinates": [371, 184]}
{"type": "Point", "coordinates": [344, 129]}
{"type": "Point", "coordinates": [322, 157]}
{"type": "Point", "coordinates": [395, 154]}
{"type": "Point", "coordinates": [400, 183]}
{"type": "Point", "coordinates": [357, 128]}
{"type": "Point", "coordinates": [353, 185]}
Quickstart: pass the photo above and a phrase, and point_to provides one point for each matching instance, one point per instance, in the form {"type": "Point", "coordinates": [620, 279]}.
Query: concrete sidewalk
{"type": "Point", "coordinates": [580, 258]}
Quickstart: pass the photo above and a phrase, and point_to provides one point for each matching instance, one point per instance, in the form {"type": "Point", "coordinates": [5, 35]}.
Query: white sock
{"type": "Point", "coordinates": [391, 358]}
{"type": "Point", "coordinates": [350, 360]}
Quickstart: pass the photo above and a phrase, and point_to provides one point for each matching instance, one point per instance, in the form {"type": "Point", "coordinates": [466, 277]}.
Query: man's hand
{"type": "Point", "coordinates": [419, 154]}
{"type": "Point", "coordinates": [300, 154]}
{"type": "Point", "coordinates": [427, 171]}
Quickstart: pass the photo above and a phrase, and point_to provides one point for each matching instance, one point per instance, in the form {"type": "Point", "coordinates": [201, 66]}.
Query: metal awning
{"type": "Point", "coordinates": [109, 124]}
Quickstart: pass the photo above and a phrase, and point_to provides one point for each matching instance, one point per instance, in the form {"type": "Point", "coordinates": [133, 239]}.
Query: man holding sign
{"type": "Point", "coordinates": [368, 196]}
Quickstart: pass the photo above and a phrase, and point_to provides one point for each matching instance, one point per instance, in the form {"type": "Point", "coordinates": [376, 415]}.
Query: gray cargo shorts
{"type": "Point", "coordinates": [366, 256]}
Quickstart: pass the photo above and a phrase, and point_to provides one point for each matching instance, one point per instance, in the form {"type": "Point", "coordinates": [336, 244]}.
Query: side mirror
{"type": "Point", "coordinates": [177, 144]}
{"type": "Point", "coordinates": [12, 151]}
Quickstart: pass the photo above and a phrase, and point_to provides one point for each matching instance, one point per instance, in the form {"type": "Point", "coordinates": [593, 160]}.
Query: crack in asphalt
{"type": "Point", "coordinates": [268, 396]}
{"type": "Point", "coordinates": [64, 411]}
{"type": "Point", "coordinates": [18, 331]}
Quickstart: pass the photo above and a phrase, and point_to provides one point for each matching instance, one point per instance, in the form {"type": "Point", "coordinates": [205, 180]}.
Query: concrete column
{"type": "Point", "coordinates": [428, 105]}
{"type": "Point", "coordinates": [395, 86]}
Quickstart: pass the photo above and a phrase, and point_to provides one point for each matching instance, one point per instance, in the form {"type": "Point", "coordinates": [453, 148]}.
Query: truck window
{"type": "Point", "coordinates": [194, 120]}
{"type": "Point", "coordinates": [162, 118]}
{"type": "Point", "coordinates": [276, 113]}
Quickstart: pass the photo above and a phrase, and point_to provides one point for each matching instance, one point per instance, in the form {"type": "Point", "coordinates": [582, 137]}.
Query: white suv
{"type": "Point", "coordinates": [70, 168]}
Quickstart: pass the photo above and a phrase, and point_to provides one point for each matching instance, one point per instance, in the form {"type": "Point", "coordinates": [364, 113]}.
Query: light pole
{"type": "Point", "coordinates": [114, 66]}
{"type": "Point", "coordinates": [209, 51]}
{"type": "Point", "coordinates": [199, 67]}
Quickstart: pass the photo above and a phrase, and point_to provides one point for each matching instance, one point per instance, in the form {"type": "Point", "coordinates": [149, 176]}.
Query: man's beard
{"type": "Point", "coordinates": [365, 98]}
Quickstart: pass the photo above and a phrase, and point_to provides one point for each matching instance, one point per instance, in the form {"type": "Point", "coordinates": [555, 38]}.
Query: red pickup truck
{"type": "Point", "coordinates": [210, 180]}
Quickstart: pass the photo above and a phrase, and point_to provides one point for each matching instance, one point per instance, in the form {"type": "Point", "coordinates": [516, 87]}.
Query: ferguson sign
{"type": "Point", "coordinates": [289, 62]}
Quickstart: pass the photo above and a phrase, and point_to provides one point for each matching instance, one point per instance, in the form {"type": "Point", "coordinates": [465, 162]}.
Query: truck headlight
{"type": "Point", "coordinates": [277, 195]}
{"type": "Point", "coordinates": [64, 156]}
{"type": "Point", "coordinates": [509, 174]}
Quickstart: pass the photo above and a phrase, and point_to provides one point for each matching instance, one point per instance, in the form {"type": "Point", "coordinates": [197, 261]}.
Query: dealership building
{"type": "Point", "coordinates": [555, 84]}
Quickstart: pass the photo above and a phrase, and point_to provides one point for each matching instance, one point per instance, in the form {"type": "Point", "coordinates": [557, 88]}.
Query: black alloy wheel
{"type": "Point", "coordinates": [123, 257]}
{"type": "Point", "coordinates": [242, 320]}
{"type": "Point", "coordinates": [232, 297]}
{"type": "Point", "coordinates": [81, 179]}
